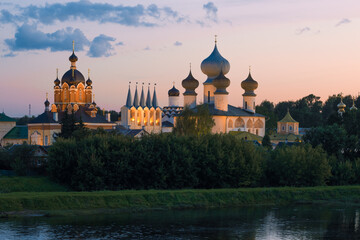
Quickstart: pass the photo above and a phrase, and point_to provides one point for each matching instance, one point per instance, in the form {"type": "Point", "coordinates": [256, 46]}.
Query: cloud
{"type": "Point", "coordinates": [120, 44]}
{"type": "Point", "coordinates": [11, 54]}
{"type": "Point", "coordinates": [211, 11]}
{"type": "Point", "coordinates": [101, 46]}
{"type": "Point", "coordinates": [177, 43]}
{"type": "Point", "coordinates": [84, 10]}
{"type": "Point", "coordinates": [147, 48]}
{"type": "Point", "coordinates": [28, 37]}
{"type": "Point", "coordinates": [342, 21]}
{"type": "Point", "coordinates": [303, 30]}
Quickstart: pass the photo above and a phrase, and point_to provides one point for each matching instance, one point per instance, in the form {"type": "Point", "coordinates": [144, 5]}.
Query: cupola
{"type": "Point", "coordinates": [190, 84]}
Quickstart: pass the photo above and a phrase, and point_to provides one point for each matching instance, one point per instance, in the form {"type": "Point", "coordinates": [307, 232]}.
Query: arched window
{"type": "Point", "coordinates": [132, 115]}
{"type": "Point", "coordinates": [157, 118]}
{"type": "Point", "coordinates": [138, 117]}
{"type": "Point", "coordinates": [151, 117]}
{"type": "Point", "coordinates": [230, 124]}
{"type": "Point", "coordinates": [249, 124]}
{"type": "Point", "coordinates": [46, 141]}
{"type": "Point", "coordinates": [259, 124]}
{"type": "Point", "coordinates": [283, 128]}
{"type": "Point", "coordinates": [146, 116]}
{"type": "Point", "coordinates": [290, 128]}
{"type": "Point", "coordinates": [239, 123]}
{"type": "Point", "coordinates": [80, 94]}
{"type": "Point", "coordinates": [246, 105]}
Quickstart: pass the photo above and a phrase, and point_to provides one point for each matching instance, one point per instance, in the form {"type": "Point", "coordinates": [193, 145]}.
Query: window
{"type": "Point", "coordinates": [80, 94]}
{"type": "Point", "coordinates": [283, 128]}
{"type": "Point", "coordinates": [46, 141]}
{"type": "Point", "coordinates": [246, 105]}
{"type": "Point", "coordinates": [257, 131]}
{"type": "Point", "coordinates": [230, 124]}
{"type": "Point", "coordinates": [254, 106]}
{"type": "Point", "coordinates": [290, 128]}
{"type": "Point", "coordinates": [208, 96]}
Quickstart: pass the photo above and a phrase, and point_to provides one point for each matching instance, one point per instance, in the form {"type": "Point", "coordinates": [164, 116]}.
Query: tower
{"type": "Point", "coordinates": [221, 95]}
{"type": "Point", "coordinates": [190, 84]}
{"type": "Point", "coordinates": [212, 66]}
{"type": "Point", "coordinates": [249, 85]}
{"type": "Point", "coordinates": [174, 96]}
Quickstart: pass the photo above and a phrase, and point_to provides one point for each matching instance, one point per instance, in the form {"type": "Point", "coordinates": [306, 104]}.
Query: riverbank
{"type": "Point", "coordinates": [132, 200]}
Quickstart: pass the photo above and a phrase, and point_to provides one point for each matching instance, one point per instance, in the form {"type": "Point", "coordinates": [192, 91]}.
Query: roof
{"type": "Point", "coordinates": [285, 137]}
{"type": "Point", "coordinates": [167, 124]}
{"type": "Point", "coordinates": [287, 118]}
{"type": "Point", "coordinates": [4, 118]}
{"type": "Point", "coordinates": [17, 132]}
{"type": "Point", "coordinates": [129, 132]}
{"type": "Point", "coordinates": [47, 117]}
{"type": "Point", "coordinates": [246, 135]}
{"type": "Point", "coordinates": [232, 111]}
{"type": "Point", "coordinates": [34, 148]}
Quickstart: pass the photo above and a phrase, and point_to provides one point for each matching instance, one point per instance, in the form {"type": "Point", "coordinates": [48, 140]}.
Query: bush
{"type": "Point", "coordinates": [163, 161]}
{"type": "Point", "coordinates": [298, 166]}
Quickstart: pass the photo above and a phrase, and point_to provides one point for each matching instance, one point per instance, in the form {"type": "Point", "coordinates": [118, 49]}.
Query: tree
{"type": "Point", "coordinates": [22, 156]}
{"type": "Point", "coordinates": [194, 122]}
{"type": "Point", "coordinates": [266, 142]}
{"type": "Point", "coordinates": [267, 108]}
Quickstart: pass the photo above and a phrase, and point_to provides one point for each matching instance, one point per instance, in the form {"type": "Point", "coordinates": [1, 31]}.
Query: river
{"type": "Point", "coordinates": [261, 222]}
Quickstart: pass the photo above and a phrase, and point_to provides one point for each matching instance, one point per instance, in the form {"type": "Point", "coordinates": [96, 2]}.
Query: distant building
{"type": "Point", "coordinates": [287, 130]}
{"type": "Point", "coordinates": [142, 114]}
{"type": "Point", "coordinates": [71, 95]}
{"type": "Point", "coordinates": [227, 117]}
{"type": "Point", "coordinates": [17, 135]}
{"type": "Point", "coordinates": [6, 124]}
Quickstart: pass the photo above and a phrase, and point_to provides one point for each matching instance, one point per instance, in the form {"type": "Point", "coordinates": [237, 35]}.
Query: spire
{"type": "Point", "coordinates": [353, 107]}
{"type": "Point", "coordinates": [128, 99]}
{"type": "Point", "coordinates": [215, 39]}
{"type": "Point", "coordinates": [136, 97]}
{"type": "Point", "coordinates": [73, 58]}
{"type": "Point", "coordinates": [154, 101]}
{"type": "Point", "coordinates": [148, 98]}
{"type": "Point", "coordinates": [57, 81]}
{"type": "Point", "coordinates": [73, 46]}
{"type": "Point", "coordinates": [142, 97]}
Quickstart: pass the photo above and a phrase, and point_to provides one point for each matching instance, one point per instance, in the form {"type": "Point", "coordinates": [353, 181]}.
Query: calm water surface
{"type": "Point", "coordinates": [291, 222]}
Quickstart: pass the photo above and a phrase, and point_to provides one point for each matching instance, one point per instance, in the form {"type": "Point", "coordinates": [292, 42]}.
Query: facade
{"type": "Point", "coordinates": [142, 114]}
{"type": "Point", "coordinates": [71, 95]}
{"type": "Point", "coordinates": [227, 118]}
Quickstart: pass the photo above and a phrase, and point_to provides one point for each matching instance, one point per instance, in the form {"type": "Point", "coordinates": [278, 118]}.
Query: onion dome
{"type": "Point", "coordinates": [341, 106]}
{"type": "Point", "coordinates": [249, 85]}
{"type": "Point", "coordinates": [173, 92]}
{"type": "Point", "coordinates": [73, 80]}
{"type": "Point", "coordinates": [353, 107]}
{"type": "Point", "coordinates": [213, 64]}
{"type": "Point", "coordinates": [88, 81]}
{"type": "Point", "coordinates": [47, 103]}
{"type": "Point", "coordinates": [57, 81]}
{"type": "Point", "coordinates": [73, 57]}
{"type": "Point", "coordinates": [221, 83]}
{"type": "Point", "coordinates": [190, 84]}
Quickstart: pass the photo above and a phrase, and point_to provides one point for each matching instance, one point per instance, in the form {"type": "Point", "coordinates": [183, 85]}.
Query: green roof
{"type": "Point", "coordinates": [4, 118]}
{"type": "Point", "coordinates": [247, 135]}
{"type": "Point", "coordinates": [283, 137]}
{"type": "Point", "coordinates": [17, 132]}
{"type": "Point", "coordinates": [288, 118]}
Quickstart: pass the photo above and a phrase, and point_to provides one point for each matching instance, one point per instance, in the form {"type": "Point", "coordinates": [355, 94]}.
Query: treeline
{"type": "Point", "coordinates": [309, 111]}
{"type": "Point", "coordinates": [169, 161]}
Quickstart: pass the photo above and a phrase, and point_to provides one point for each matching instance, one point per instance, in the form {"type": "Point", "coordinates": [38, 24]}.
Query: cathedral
{"type": "Point", "coordinates": [227, 117]}
{"type": "Point", "coordinates": [71, 95]}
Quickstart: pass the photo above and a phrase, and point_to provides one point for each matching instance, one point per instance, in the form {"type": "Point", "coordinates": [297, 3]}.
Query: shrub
{"type": "Point", "coordinates": [298, 166]}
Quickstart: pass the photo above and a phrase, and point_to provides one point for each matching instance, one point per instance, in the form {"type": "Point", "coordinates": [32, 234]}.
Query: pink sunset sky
{"type": "Point", "coordinates": [294, 47]}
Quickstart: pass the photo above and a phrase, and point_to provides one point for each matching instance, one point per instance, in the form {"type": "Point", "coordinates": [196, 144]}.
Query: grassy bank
{"type": "Point", "coordinates": [29, 184]}
{"type": "Point", "coordinates": [170, 199]}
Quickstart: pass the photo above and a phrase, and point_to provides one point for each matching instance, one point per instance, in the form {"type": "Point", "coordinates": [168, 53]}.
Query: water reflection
{"type": "Point", "coordinates": [291, 222]}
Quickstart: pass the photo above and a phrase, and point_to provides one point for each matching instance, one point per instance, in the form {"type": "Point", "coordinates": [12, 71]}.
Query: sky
{"type": "Point", "coordinates": [294, 47]}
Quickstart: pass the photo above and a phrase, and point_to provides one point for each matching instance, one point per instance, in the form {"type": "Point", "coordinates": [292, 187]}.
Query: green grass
{"type": "Point", "coordinates": [171, 199]}
{"type": "Point", "coordinates": [29, 184]}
